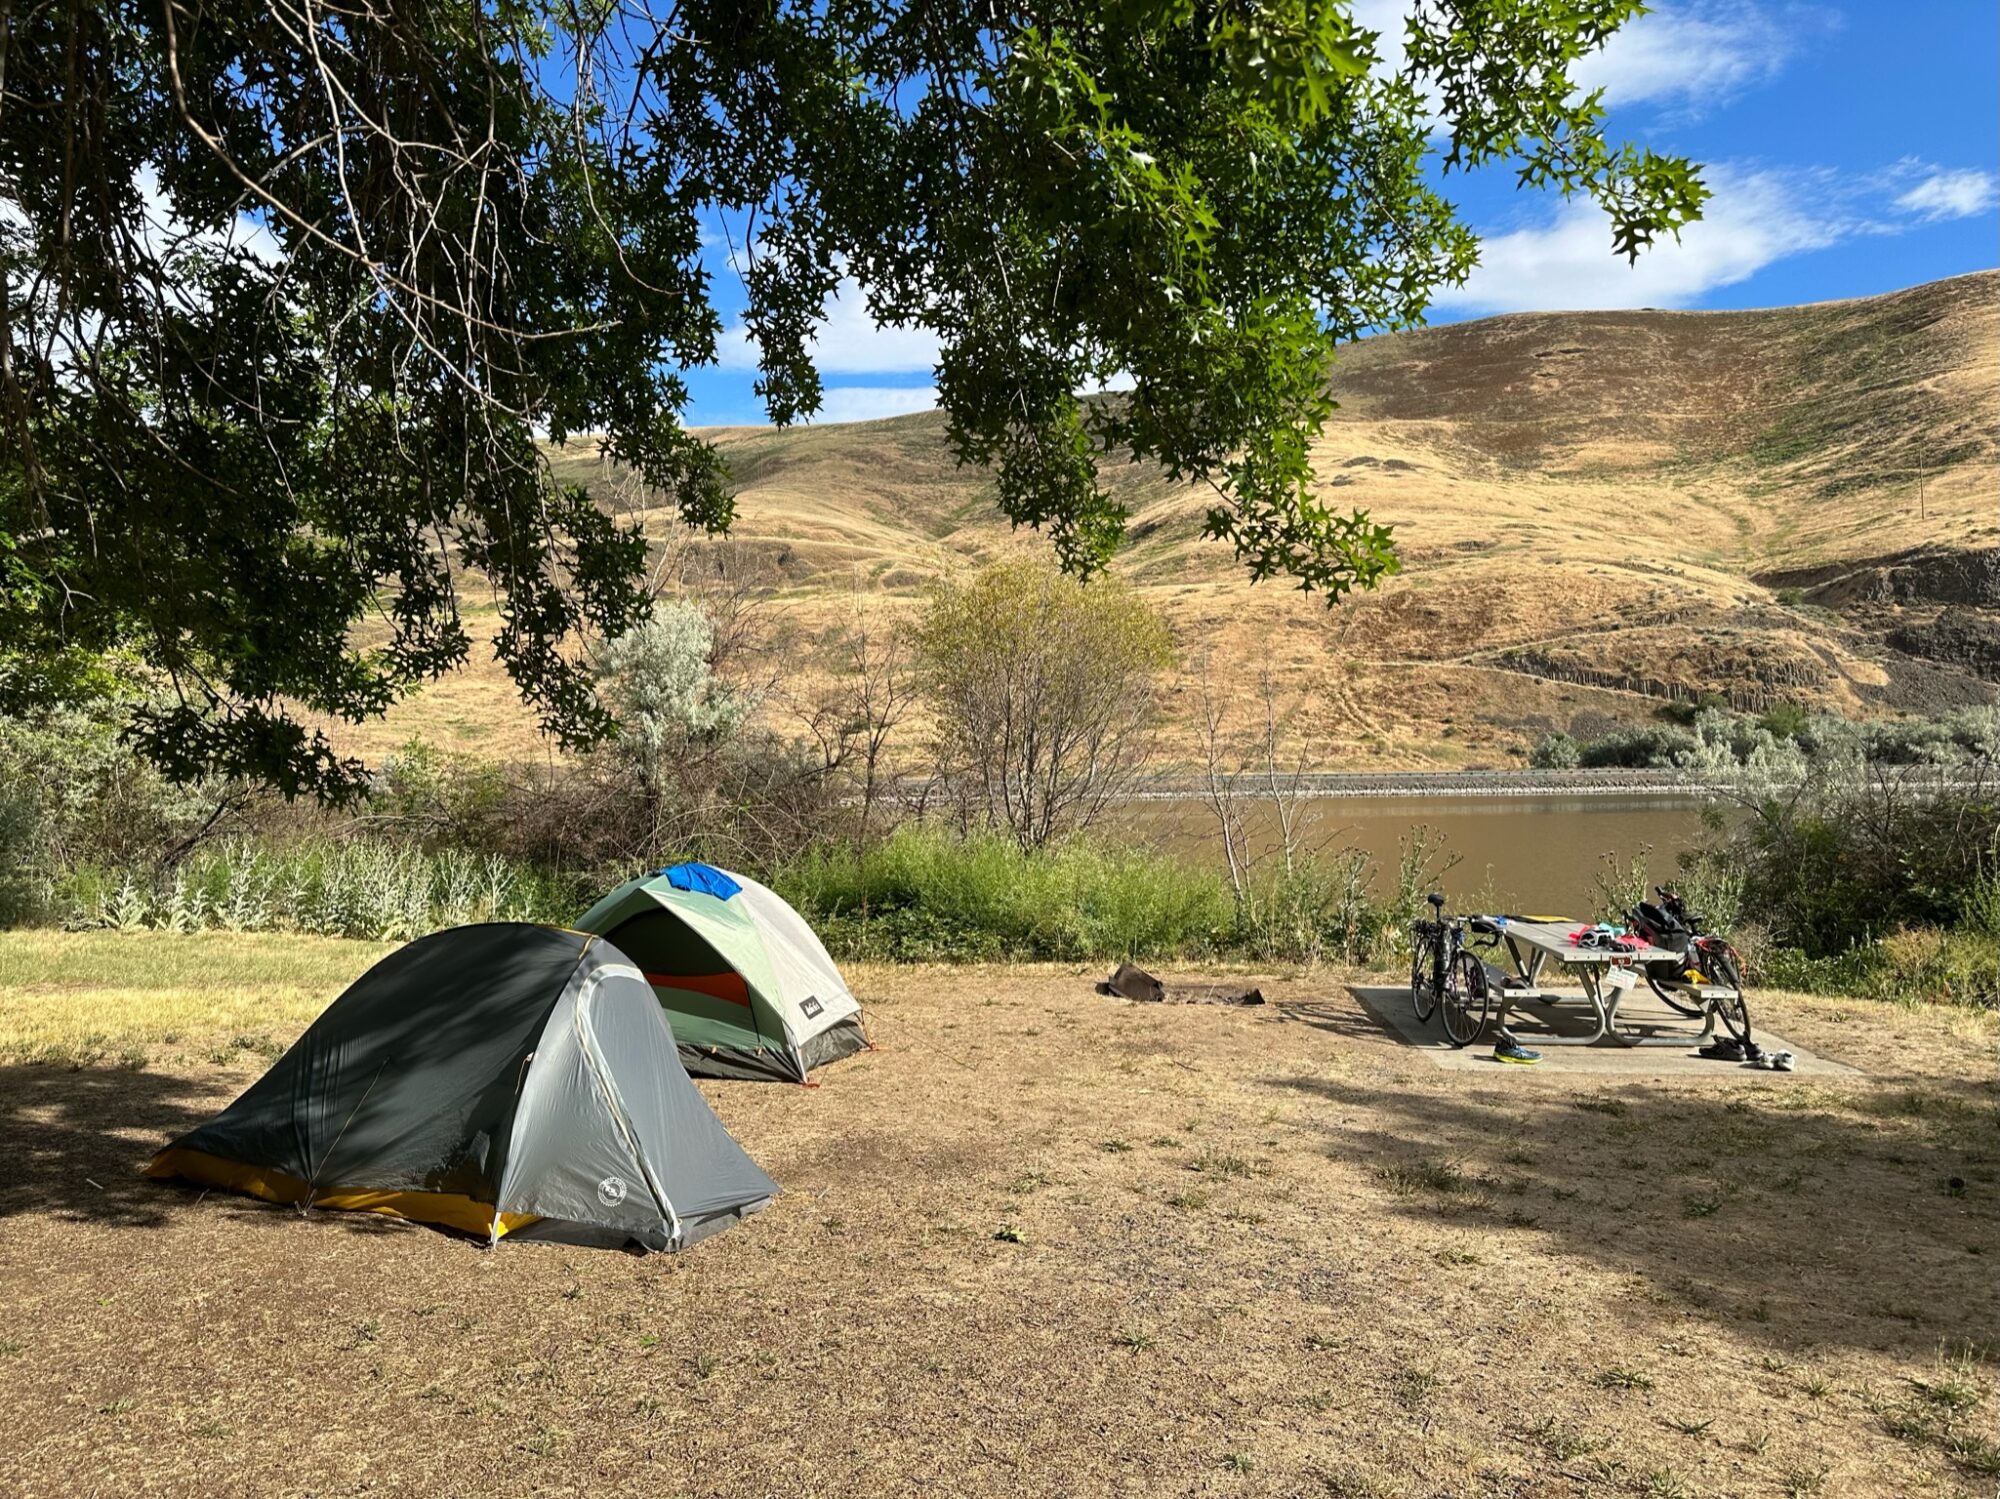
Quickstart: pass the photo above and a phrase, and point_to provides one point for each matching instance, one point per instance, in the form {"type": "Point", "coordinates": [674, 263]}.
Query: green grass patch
{"type": "Point", "coordinates": [923, 896]}
{"type": "Point", "coordinates": [85, 999]}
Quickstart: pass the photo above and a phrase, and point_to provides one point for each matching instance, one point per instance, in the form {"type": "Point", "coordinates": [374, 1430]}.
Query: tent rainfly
{"type": "Point", "coordinates": [493, 1079]}
{"type": "Point", "coordinates": [749, 989]}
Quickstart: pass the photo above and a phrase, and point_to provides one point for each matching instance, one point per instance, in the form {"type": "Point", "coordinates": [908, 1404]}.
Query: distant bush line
{"type": "Point", "coordinates": [1780, 743]}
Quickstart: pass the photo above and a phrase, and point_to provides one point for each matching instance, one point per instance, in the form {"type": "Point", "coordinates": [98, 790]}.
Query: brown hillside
{"type": "Point", "coordinates": [1597, 512]}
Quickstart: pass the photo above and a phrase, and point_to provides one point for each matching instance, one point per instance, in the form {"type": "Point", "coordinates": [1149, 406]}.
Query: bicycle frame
{"type": "Point", "coordinates": [1439, 951]}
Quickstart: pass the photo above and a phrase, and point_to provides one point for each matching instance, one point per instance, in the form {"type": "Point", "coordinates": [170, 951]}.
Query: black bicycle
{"type": "Point", "coordinates": [1703, 959]}
{"type": "Point", "coordinates": [1445, 977]}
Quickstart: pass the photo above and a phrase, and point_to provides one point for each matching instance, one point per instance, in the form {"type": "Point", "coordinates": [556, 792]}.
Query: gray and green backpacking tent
{"type": "Point", "coordinates": [493, 1079]}
{"type": "Point", "coordinates": [751, 992]}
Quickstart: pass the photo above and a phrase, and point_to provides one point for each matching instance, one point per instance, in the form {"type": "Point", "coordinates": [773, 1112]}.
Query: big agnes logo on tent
{"type": "Point", "coordinates": [611, 1191]}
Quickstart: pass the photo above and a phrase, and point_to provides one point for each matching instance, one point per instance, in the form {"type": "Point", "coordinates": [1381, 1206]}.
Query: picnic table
{"type": "Point", "coordinates": [1605, 973]}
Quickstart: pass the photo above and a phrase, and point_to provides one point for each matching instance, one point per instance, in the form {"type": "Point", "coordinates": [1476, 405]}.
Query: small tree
{"type": "Point", "coordinates": [1042, 691]}
{"type": "Point", "coordinates": [1298, 894]}
{"type": "Point", "coordinates": [852, 717]}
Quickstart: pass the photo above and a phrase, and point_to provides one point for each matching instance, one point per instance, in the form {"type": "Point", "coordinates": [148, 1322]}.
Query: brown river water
{"type": "Point", "coordinates": [1527, 854]}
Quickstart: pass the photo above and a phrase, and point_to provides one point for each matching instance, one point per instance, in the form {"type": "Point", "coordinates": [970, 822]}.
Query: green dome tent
{"type": "Point", "coordinates": [750, 991]}
{"type": "Point", "coordinates": [492, 1079]}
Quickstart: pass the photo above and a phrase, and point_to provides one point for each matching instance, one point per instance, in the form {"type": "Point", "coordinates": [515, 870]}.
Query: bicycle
{"type": "Point", "coordinates": [1445, 975]}
{"type": "Point", "coordinates": [1671, 925]}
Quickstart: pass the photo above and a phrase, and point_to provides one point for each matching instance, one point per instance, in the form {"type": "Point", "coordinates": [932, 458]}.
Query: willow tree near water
{"type": "Point", "coordinates": [293, 291]}
{"type": "Point", "coordinates": [1042, 693]}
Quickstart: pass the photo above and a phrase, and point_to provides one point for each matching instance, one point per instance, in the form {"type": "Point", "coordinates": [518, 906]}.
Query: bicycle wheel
{"type": "Point", "coordinates": [1679, 1003]}
{"type": "Point", "coordinates": [1423, 993]}
{"type": "Point", "coordinates": [1465, 999]}
{"type": "Point", "coordinates": [1719, 961]}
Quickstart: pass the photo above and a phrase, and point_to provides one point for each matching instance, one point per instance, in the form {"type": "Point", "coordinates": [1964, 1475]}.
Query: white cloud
{"type": "Point", "coordinates": [165, 233]}
{"type": "Point", "coordinates": [1697, 54]}
{"type": "Point", "coordinates": [867, 403]}
{"type": "Point", "coordinates": [1752, 220]}
{"type": "Point", "coordinates": [1690, 54]}
{"type": "Point", "coordinates": [1386, 17]}
{"type": "Point", "coordinates": [1951, 195]}
{"type": "Point", "coordinates": [849, 342]}
{"type": "Point", "coordinates": [1755, 218]}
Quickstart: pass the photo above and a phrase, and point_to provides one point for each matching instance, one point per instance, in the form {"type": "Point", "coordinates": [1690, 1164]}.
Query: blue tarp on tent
{"type": "Point", "coordinates": [704, 878]}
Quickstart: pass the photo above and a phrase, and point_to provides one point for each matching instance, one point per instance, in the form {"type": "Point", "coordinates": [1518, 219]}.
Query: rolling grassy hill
{"type": "Point", "coordinates": [1597, 512]}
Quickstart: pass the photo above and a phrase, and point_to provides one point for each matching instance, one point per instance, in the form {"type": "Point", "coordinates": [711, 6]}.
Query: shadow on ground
{"type": "Point", "coordinates": [1819, 1210]}
{"type": "Point", "coordinates": [75, 1140]}
{"type": "Point", "coordinates": [1339, 1016]}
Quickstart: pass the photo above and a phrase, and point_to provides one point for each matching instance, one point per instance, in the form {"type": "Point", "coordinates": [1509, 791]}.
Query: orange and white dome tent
{"type": "Point", "coordinates": [749, 988]}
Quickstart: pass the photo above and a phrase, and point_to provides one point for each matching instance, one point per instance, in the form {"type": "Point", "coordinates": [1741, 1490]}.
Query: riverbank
{"type": "Point", "coordinates": [1459, 783]}
{"type": "Point", "coordinates": [1691, 785]}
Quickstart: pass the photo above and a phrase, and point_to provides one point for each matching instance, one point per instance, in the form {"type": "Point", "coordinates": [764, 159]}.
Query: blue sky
{"type": "Point", "coordinates": [1853, 148]}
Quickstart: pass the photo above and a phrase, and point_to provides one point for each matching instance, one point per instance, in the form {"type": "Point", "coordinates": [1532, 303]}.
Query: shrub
{"type": "Point", "coordinates": [1906, 967]}
{"type": "Point", "coordinates": [675, 715]}
{"type": "Point", "coordinates": [1421, 865]}
{"type": "Point", "coordinates": [1784, 720]}
{"type": "Point", "coordinates": [72, 793]}
{"type": "Point", "coordinates": [1637, 749]}
{"type": "Point", "coordinates": [1706, 735]}
{"type": "Point", "coordinates": [20, 846]}
{"type": "Point", "coordinates": [1854, 851]}
{"type": "Point", "coordinates": [1557, 751]}
{"type": "Point", "coordinates": [442, 800]}
{"type": "Point", "coordinates": [659, 680]}
{"type": "Point", "coordinates": [1683, 710]}
{"type": "Point", "coordinates": [359, 888]}
{"type": "Point", "coordinates": [1710, 880]}
{"type": "Point", "coordinates": [1316, 909]}
{"type": "Point", "coordinates": [1979, 904]}
{"type": "Point", "coordinates": [590, 814]}
{"type": "Point", "coordinates": [1620, 884]}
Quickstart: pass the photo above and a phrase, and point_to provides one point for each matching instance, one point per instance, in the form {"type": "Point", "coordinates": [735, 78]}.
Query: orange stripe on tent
{"type": "Point", "coordinates": [726, 986]}
{"type": "Point", "coordinates": [447, 1209]}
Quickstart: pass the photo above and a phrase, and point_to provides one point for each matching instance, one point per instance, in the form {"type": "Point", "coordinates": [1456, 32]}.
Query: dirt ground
{"type": "Point", "coordinates": [1048, 1243]}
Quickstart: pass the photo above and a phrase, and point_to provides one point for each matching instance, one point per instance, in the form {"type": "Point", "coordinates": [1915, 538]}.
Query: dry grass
{"type": "Point", "coordinates": [85, 998]}
{"type": "Point", "coordinates": [1399, 1281]}
{"type": "Point", "coordinates": [1603, 491]}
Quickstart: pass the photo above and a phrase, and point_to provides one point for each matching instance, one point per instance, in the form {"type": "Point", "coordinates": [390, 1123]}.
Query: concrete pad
{"type": "Point", "coordinates": [1556, 1030]}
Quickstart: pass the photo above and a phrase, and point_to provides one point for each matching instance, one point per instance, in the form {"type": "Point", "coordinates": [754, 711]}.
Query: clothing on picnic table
{"type": "Point", "coordinates": [1606, 936]}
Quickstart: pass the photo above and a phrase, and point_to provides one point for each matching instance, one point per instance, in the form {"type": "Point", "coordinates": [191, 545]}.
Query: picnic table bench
{"type": "Point", "coordinates": [1605, 974]}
